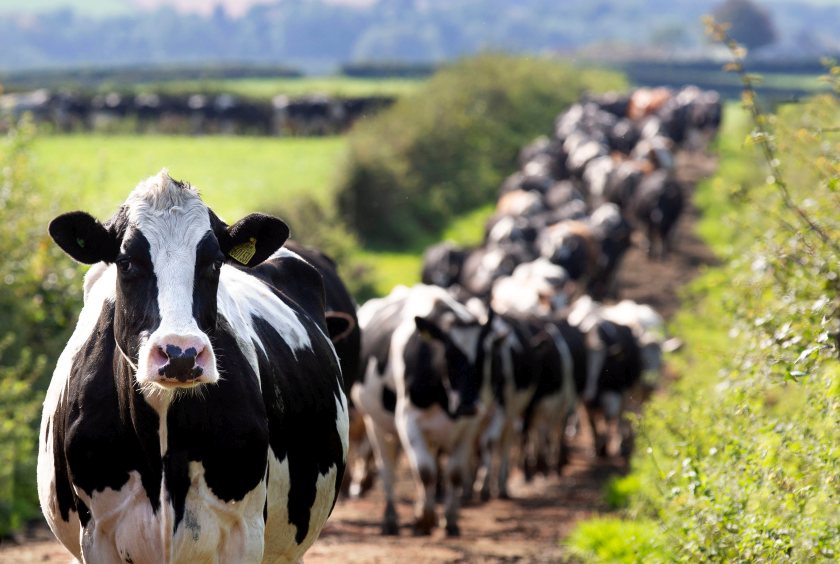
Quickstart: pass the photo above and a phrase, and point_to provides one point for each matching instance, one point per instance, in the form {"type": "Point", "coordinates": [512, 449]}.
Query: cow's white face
{"type": "Point", "coordinates": [170, 254]}
{"type": "Point", "coordinates": [169, 249]}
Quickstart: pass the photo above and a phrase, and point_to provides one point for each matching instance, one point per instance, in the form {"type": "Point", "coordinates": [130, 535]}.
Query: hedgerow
{"type": "Point", "coordinates": [444, 149]}
{"type": "Point", "coordinates": [739, 460]}
{"type": "Point", "coordinates": [38, 303]}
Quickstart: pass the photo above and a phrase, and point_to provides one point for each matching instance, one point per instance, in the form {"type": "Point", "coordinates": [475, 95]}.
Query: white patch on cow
{"type": "Point", "coordinates": [215, 530]}
{"type": "Point", "coordinates": [534, 288]}
{"type": "Point", "coordinates": [173, 219]}
{"type": "Point", "coordinates": [242, 297]}
{"type": "Point", "coordinates": [101, 288]}
{"type": "Point", "coordinates": [122, 525]}
{"type": "Point", "coordinates": [280, 546]}
{"type": "Point", "coordinates": [93, 274]}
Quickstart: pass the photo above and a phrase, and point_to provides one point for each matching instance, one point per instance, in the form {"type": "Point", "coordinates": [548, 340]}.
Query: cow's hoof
{"type": "Point", "coordinates": [453, 530]}
{"type": "Point", "coordinates": [424, 524]}
{"type": "Point", "coordinates": [562, 460]}
{"type": "Point", "coordinates": [485, 494]}
{"type": "Point", "coordinates": [504, 494]}
{"type": "Point", "coordinates": [390, 523]}
{"type": "Point", "coordinates": [390, 529]}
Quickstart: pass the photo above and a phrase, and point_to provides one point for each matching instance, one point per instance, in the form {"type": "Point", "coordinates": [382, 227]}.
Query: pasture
{"type": "Point", "coordinates": [235, 174]}
{"type": "Point", "coordinates": [337, 86]}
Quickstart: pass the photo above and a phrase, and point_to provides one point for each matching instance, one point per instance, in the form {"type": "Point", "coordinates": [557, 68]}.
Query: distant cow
{"type": "Point", "coordinates": [657, 206]}
{"type": "Point", "coordinates": [426, 355]}
{"type": "Point", "coordinates": [442, 264]}
{"type": "Point", "coordinates": [197, 412]}
{"type": "Point", "coordinates": [624, 344]}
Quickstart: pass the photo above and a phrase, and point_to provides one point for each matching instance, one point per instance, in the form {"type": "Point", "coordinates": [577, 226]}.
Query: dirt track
{"type": "Point", "coordinates": [527, 528]}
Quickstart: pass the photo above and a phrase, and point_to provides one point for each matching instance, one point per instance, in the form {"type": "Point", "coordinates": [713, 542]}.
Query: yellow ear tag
{"type": "Point", "coordinates": [244, 252]}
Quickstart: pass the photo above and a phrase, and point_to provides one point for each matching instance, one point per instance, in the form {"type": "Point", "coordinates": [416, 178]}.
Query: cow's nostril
{"type": "Point", "coordinates": [159, 355]}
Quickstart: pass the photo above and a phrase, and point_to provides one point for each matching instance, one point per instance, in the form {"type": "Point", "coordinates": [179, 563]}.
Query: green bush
{"type": "Point", "coordinates": [40, 296]}
{"type": "Point", "coordinates": [315, 225]}
{"type": "Point", "coordinates": [738, 460]}
{"type": "Point", "coordinates": [445, 149]}
{"type": "Point", "coordinates": [608, 539]}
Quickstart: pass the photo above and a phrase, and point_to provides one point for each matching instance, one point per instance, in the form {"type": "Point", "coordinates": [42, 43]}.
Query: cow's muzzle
{"type": "Point", "coordinates": [180, 364]}
{"type": "Point", "coordinates": [175, 361]}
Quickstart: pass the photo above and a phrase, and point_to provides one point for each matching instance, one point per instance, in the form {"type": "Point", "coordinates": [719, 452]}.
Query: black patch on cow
{"type": "Point", "coordinates": [298, 281]}
{"type": "Point", "coordinates": [339, 300]}
{"type": "Point", "coordinates": [103, 430]}
{"type": "Point", "coordinates": [137, 293]}
{"type": "Point", "coordinates": [224, 427]}
{"type": "Point", "coordinates": [389, 399]}
{"type": "Point", "coordinates": [422, 378]}
{"type": "Point", "coordinates": [208, 259]}
{"type": "Point", "coordinates": [300, 389]}
{"type": "Point", "coordinates": [623, 363]}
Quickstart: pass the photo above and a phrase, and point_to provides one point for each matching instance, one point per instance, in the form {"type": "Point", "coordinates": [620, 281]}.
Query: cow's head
{"type": "Point", "coordinates": [466, 348]}
{"type": "Point", "coordinates": [169, 249]}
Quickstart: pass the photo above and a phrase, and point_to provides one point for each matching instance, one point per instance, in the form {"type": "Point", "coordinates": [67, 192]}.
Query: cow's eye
{"type": "Point", "coordinates": [125, 265]}
{"type": "Point", "coordinates": [217, 265]}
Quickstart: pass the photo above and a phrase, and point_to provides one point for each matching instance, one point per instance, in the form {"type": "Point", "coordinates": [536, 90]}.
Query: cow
{"type": "Point", "coordinates": [545, 418]}
{"type": "Point", "coordinates": [657, 206]}
{"type": "Point", "coordinates": [572, 245]}
{"type": "Point", "coordinates": [197, 411]}
{"type": "Point", "coordinates": [426, 355]}
{"type": "Point", "coordinates": [442, 264]}
{"type": "Point", "coordinates": [624, 344]}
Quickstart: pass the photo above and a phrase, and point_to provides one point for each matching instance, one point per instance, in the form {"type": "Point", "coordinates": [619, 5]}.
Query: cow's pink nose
{"type": "Point", "coordinates": [179, 358]}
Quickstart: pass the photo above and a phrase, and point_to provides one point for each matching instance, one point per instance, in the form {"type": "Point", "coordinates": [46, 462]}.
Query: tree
{"type": "Point", "coordinates": [749, 23]}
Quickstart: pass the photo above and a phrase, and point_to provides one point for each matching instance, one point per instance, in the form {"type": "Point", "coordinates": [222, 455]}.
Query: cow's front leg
{"type": "Point", "coordinates": [386, 448]}
{"type": "Point", "coordinates": [612, 403]}
{"type": "Point", "coordinates": [424, 470]}
{"type": "Point", "coordinates": [504, 454]}
{"type": "Point", "coordinates": [456, 472]}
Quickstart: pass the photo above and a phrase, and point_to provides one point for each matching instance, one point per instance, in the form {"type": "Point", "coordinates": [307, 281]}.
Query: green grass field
{"type": "Point", "coordinates": [236, 175]}
{"type": "Point", "coordinates": [269, 87]}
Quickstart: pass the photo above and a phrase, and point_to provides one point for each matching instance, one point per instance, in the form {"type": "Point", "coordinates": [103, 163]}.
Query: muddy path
{"type": "Point", "coordinates": [530, 526]}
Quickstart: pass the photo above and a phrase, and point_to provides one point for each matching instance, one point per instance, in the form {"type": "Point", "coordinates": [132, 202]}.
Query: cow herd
{"type": "Point", "coordinates": [221, 378]}
{"type": "Point", "coordinates": [196, 114]}
{"type": "Point", "coordinates": [501, 342]}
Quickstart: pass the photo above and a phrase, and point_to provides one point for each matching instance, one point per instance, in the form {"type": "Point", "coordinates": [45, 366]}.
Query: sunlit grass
{"type": "Point", "coordinates": [268, 87]}
{"type": "Point", "coordinates": [236, 175]}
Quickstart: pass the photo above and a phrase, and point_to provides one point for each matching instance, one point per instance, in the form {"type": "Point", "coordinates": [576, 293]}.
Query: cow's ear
{"type": "Point", "coordinates": [253, 239]}
{"type": "Point", "coordinates": [81, 236]}
{"type": "Point", "coordinates": [429, 330]}
{"type": "Point", "coordinates": [339, 325]}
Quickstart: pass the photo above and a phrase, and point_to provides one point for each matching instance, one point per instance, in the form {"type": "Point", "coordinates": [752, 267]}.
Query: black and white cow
{"type": "Point", "coordinates": [425, 355]}
{"type": "Point", "coordinates": [624, 345]}
{"type": "Point", "coordinates": [197, 412]}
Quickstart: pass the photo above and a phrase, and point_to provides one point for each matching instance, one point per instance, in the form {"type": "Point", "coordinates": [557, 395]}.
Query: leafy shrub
{"type": "Point", "coordinates": [38, 303]}
{"type": "Point", "coordinates": [445, 149]}
{"type": "Point", "coordinates": [315, 225]}
{"type": "Point", "coordinates": [608, 539]}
